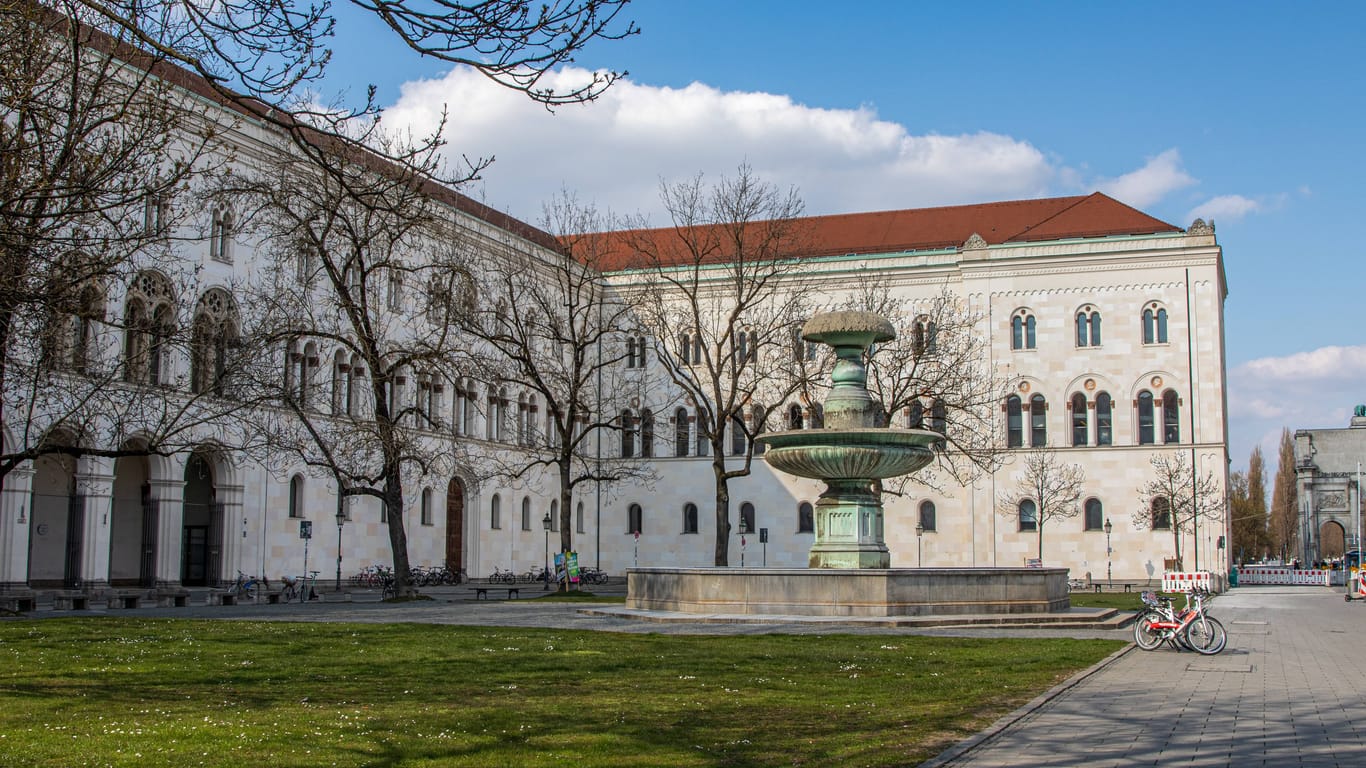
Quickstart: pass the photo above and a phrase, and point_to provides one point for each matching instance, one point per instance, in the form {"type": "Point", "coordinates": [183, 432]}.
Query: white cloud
{"type": "Point", "coordinates": [1158, 177]}
{"type": "Point", "coordinates": [616, 150]}
{"type": "Point", "coordinates": [1316, 388]}
{"type": "Point", "coordinates": [1224, 208]}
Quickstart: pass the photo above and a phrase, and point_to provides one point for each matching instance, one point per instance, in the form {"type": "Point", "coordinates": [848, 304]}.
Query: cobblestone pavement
{"type": "Point", "coordinates": [1289, 690]}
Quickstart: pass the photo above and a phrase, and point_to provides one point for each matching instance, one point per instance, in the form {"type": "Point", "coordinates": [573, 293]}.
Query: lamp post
{"type": "Point", "coordinates": [744, 529]}
{"type": "Point", "coordinates": [545, 571]}
{"type": "Point", "coordinates": [1109, 574]}
{"type": "Point", "coordinates": [341, 520]}
{"type": "Point", "coordinates": [919, 537]}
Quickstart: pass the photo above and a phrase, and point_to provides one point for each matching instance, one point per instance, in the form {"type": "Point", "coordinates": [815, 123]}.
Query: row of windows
{"type": "Point", "coordinates": [1024, 327]}
{"type": "Point", "coordinates": [529, 521]}
{"type": "Point", "coordinates": [1093, 515]}
{"type": "Point", "coordinates": [1145, 408]}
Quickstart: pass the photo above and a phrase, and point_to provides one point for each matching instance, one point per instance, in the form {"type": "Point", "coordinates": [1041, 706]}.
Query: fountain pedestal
{"type": "Point", "coordinates": [849, 528]}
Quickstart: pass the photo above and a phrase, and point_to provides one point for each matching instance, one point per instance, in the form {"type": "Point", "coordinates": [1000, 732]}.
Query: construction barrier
{"type": "Point", "coordinates": [1185, 581]}
{"type": "Point", "coordinates": [1283, 576]}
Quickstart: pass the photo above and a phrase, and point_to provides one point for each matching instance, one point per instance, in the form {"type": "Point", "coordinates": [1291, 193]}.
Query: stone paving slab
{"type": "Point", "coordinates": [1290, 692]}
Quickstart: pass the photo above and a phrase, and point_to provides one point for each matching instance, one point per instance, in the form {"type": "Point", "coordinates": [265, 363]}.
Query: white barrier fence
{"type": "Point", "coordinates": [1284, 576]}
{"type": "Point", "coordinates": [1185, 581]}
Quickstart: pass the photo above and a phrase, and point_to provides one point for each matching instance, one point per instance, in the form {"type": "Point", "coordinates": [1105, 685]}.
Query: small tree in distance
{"type": "Point", "coordinates": [1050, 486]}
{"type": "Point", "coordinates": [1178, 500]}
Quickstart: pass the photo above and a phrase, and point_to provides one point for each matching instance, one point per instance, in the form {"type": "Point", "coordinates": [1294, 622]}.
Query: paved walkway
{"type": "Point", "coordinates": [1289, 690]}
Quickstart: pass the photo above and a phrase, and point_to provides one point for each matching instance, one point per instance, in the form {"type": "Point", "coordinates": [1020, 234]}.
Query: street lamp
{"type": "Point", "coordinates": [341, 520]}
{"type": "Point", "coordinates": [1109, 574]}
{"type": "Point", "coordinates": [919, 535]}
{"type": "Point", "coordinates": [545, 571]}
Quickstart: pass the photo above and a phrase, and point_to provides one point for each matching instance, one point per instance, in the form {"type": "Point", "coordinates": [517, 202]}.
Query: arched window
{"type": "Point", "coordinates": [1094, 514]}
{"type": "Point", "coordinates": [634, 515]}
{"type": "Point", "coordinates": [215, 330]}
{"type": "Point", "coordinates": [747, 518]}
{"type": "Point", "coordinates": [471, 407]}
{"type": "Point", "coordinates": [794, 416]}
{"type": "Point", "coordinates": [69, 332]}
{"type": "Point", "coordinates": [915, 415]}
{"type": "Point", "coordinates": [690, 518]}
{"type": "Point", "coordinates": [554, 515]}
{"type": "Point", "coordinates": [1154, 324]}
{"type": "Point", "coordinates": [1014, 423]}
{"type": "Point", "coordinates": [355, 384]}
{"type": "Point", "coordinates": [927, 516]}
{"type": "Point", "coordinates": [1145, 418]}
{"type": "Point", "coordinates": [1105, 421]}
{"type": "Point", "coordinates": [1171, 417]}
{"type": "Point", "coordinates": [685, 349]}
{"type": "Point", "coordinates": [1161, 513]}
{"type": "Point", "coordinates": [149, 321]}
{"type": "Point", "coordinates": [526, 513]}
{"type": "Point", "coordinates": [426, 518]}
{"type": "Point", "coordinates": [578, 518]}
{"type": "Point", "coordinates": [640, 352]}
{"type": "Point", "coordinates": [925, 337]}
{"type": "Point", "coordinates": [737, 435]}
{"type": "Point", "coordinates": [647, 433]}
{"type": "Point", "coordinates": [496, 512]}
{"type": "Point", "coordinates": [1088, 327]}
{"type": "Point", "coordinates": [806, 518]}
{"type": "Point", "coordinates": [296, 496]}
{"type": "Point", "coordinates": [1022, 330]}
{"type": "Point", "coordinates": [939, 417]}
{"type": "Point", "coordinates": [220, 236]}
{"type": "Point", "coordinates": [1029, 515]}
{"type": "Point", "coordinates": [628, 434]}
{"type": "Point", "coordinates": [1038, 422]}
{"type": "Point", "coordinates": [681, 432]}
{"type": "Point", "coordinates": [1080, 427]}
{"type": "Point", "coordinates": [630, 351]}
{"type": "Point", "coordinates": [703, 443]}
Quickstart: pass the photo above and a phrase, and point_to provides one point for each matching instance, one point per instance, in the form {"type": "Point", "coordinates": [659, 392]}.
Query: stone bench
{"type": "Point", "coordinates": [70, 601]}
{"type": "Point", "coordinates": [482, 593]}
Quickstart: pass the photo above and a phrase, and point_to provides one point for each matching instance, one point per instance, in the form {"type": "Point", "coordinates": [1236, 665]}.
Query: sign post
{"type": "Point", "coordinates": [305, 533]}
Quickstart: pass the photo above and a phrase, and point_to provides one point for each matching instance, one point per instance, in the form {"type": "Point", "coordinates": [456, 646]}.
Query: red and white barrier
{"type": "Point", "coordinates": [1185, 581]}
{"type": "Point", "coordinates": [1283, 576]}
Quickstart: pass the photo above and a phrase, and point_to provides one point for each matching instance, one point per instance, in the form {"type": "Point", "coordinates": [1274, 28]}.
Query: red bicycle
{"type": "Point", "coordinates": [1190, 628]}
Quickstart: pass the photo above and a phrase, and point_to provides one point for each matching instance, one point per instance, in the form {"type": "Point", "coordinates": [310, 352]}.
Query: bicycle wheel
{"type": "Point", "coordinates": [1206, 635]}
{"type": "Point", "coordinates": [1145, 636]}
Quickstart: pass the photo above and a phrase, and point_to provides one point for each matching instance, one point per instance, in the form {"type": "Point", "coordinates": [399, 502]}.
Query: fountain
{"type": "Point", "coordinates": [849, 573]}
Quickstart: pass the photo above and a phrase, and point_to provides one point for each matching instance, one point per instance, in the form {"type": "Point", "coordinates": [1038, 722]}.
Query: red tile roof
{"type": "Point", "coordinates": [918, 229]}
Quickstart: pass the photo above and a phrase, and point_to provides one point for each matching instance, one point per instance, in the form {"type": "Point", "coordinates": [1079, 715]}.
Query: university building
{"type": "Point", "coordinates": [1108, 322]}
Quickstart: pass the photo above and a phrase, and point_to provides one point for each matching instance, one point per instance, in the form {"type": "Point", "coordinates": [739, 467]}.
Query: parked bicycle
{"type": "Point", "coordinates": [593, 575]}
{"type": "Point", "coordinates": [500, 576]}
{"type": "Point", "coordinates": [244, 587]}
{"type": "Point", "coordinates": [1190, 627]}
{"type": "Point", "coordinates": [299, 588]}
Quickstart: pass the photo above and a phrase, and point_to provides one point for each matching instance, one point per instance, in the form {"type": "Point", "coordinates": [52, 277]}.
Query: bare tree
{"type": "Point", "coordinates": [352, 239]}
{"type": "Point", "coordinates": [98, 153]}
{"type": "Point", "coordinates": [1047, 490]}
{"type": "Point", "coordinates": [936, 374]}
{"type": "Point", "coordinates": [720, 294]}
{"type": "Point", "coordinates": [1285, 519]}
{"type": "Point", "coordinates": [1178, 499]}
{"type": "Point", "coordinates": [550, 330]}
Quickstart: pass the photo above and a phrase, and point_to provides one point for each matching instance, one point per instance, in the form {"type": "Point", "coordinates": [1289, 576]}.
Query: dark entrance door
{"type": "Point", "coordinates": [455, 526]}
{"type": "Point", "coordinates": [195, 563]}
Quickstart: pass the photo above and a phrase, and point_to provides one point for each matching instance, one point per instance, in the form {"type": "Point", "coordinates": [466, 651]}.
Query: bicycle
{"type": "Point", "coordinates": [501, 576]}
{"type": "Point", "coordinates": [1190, 628]}
{"type": "Point", "coordinates": [243, 586]}
{"type": "Point", "coordinates": [300, 588]}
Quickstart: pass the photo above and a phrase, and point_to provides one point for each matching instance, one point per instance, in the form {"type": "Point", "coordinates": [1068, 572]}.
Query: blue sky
{"type": "Point", "coordinates": [1249, 113]}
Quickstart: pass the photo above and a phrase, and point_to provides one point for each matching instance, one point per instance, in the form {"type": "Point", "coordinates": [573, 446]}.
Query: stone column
{"type": "Point", "coordinates": [230, 496]}
{"type": "Point", "coordinates": [95, 482]}
{"type": "Point", "coordinates": [169, 495]}
{"type": "Point", "coordinates": [14, 529]}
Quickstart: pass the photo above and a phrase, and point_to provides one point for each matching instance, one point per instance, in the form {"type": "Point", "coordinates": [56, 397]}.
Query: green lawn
{"type": "Point", "coordinates": [130, 692]}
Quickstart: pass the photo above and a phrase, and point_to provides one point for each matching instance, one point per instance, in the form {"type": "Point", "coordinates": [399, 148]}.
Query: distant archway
{"type": "Point", "coordinates": [1332, 540]}
{"type": "Point", "coordinates": [202, 534]}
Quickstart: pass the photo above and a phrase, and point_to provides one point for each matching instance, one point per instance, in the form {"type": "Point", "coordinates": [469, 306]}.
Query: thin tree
{"type": "Point", "coordinates": [1284, 521]}
{"type": "Point", "coordinates": [1047, 489]}
{"type": "Point", "coordinates": [1177, 499]}
{"type": "Point", "coordinates": [351, 240]}
{"type": "Point", "coordinates": [720, 293]}
{"type": "Point", "coordinates": [936, 374]}
{"type": "Point", "coordinates": [549, 329]}
{"type": "Point", "coordinates": [1247, 504]}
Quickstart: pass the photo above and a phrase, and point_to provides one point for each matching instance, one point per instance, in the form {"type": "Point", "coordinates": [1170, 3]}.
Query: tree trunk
{"type": "Point", "coordinates": [718, 466]}
{"type": "Point", "coordinates": [398, 537]}
{"type": "Point", "coordinates": [566, 512]}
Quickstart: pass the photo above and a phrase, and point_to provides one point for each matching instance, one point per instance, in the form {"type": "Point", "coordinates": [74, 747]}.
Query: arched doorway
{"type": "Point", "coordinates": [133, 528]}
{"type": "Point", "coordinates": [455, 526]}
{"type": "Point", "coordinates": [58, 524]}
{"type": "Point", "coordinates": [202, 534]}
{"type": "Point", "coordinates": [1332, 540]}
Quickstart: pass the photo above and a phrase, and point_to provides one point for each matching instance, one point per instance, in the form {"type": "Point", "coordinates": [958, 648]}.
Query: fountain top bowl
{"type": "Point", "coordinates": [848, 327]}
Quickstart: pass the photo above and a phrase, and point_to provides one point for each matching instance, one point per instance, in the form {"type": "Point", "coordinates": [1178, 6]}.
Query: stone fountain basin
{"type": "Point", "coordinates": [850, 454]}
